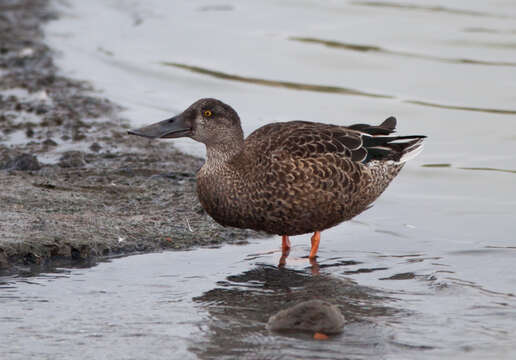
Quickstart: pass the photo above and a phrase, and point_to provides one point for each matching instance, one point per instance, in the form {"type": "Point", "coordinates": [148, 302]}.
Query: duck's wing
{"type": "Point", "coordinates": [359, 142]}
{"type": "Point", "coordinates": [304, 139]}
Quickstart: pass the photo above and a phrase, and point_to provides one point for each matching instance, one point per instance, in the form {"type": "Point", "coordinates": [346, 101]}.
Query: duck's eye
{"type": "Point", "coordinates": [207, 113]}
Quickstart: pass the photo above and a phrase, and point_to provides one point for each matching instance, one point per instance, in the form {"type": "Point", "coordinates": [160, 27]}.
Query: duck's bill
{"type": "Point", "coordinates": [174, 127]}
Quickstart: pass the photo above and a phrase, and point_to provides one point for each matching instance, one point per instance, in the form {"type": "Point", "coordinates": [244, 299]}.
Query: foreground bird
{"type": "Point", "coordinates": [287, 178]}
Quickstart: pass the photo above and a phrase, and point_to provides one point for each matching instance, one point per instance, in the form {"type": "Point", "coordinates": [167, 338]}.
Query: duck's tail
{"type": "Point", "coordinates": [380, 146]}
{"type": "Point", "coordinates": [412, 149]}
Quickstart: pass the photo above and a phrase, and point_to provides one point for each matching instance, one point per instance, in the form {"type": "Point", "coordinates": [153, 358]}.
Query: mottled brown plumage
{"type": "Point", "coordinates": [287, 178]}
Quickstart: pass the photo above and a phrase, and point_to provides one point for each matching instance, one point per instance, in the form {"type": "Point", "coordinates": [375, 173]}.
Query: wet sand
{"type": "Point", "coordinates": [75, 187]}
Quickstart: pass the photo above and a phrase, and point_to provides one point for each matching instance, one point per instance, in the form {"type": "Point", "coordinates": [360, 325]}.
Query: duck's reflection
{"type": "Point", "coordinates": [314, 265]}
{"type": "Point", "coordinates": [240, 307]}
{"type": "Point", "coordinates": [285, 251]}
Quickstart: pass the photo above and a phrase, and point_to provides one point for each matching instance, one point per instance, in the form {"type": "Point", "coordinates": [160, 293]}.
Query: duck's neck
{"type": "Point", "coordinates": [217, 155]}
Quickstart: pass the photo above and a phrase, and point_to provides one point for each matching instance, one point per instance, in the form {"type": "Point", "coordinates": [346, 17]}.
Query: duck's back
{"type": "Point", "coordinates": [298, 177]}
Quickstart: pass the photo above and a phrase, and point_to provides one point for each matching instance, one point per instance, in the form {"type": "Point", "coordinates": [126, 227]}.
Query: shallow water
{"type": "Point", "coordinates": [214, 303]}
{"type": "Point", "coordinates": [432, 261]}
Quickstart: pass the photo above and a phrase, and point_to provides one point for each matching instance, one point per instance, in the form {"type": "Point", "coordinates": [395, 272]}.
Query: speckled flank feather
{"type": "Point", "coordinates": [298, 177]}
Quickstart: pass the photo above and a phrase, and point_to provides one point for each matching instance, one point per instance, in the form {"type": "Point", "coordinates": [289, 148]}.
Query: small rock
{"type": "Point", "coordinates": [95, 147]}
{"type": "Point", "coordinates": [22, 162]}
{"type": "Point", "coordinates": [71, 159]}
{"type": "Point", "coordinates": [313, 315]}
{"type": "Point", "coordinates": [49, 142]}
{"type": "Point", "coordinates": [29, 132]}
{"type": "Point", "coordinates": [41, 109]}
{"type": "Point", "coordinates": [78, 136]}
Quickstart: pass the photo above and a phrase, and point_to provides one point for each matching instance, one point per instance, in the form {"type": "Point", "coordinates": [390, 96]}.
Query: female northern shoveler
{"type": "Point", "coordinates": [287, 178]}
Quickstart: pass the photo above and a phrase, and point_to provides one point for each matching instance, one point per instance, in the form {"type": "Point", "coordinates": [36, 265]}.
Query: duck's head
{"type": "Point", "coordinates": [208, 121]}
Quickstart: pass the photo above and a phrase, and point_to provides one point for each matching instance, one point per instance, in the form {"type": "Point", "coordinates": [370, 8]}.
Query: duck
{"type": "Point", "coordinates": [317, 316]}
{"type": "Point", "coordinates": [287, 178]}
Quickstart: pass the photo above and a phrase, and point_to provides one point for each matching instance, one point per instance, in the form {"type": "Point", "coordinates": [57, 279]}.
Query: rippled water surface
{"type": "Point", "coordinates": [427, 273]}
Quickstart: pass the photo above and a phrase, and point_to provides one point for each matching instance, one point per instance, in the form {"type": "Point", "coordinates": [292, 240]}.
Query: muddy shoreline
{"type": "Point", "coordinates": [75, 187]}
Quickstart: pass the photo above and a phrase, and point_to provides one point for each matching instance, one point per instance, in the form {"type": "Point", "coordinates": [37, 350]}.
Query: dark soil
{"type": "Point", "coordinates": [74, 186]}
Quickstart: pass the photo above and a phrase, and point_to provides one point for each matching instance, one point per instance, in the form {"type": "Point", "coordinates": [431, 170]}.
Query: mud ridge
{"type": "Point", "coordinates": [74, 187]}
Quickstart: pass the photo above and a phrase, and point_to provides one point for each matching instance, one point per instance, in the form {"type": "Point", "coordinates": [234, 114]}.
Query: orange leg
{"type": "Point", "coordinates": [285, 250]}
{"type": "Point", "coordinates": [316, 239]}
{"type": "Point", "coordinates": [285, 245]}
{"type": "Point", "coordinates": [315, 266]}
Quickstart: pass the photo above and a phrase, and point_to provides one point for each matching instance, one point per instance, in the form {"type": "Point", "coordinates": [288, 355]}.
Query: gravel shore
{"type": "Point", "coordinates": [74, 187]}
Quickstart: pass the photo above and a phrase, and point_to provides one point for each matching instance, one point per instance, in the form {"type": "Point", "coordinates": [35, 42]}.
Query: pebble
{"type": "Point", "coordinates": [23, 162]}
{"type": "Point", "coordinates": [71, 159]}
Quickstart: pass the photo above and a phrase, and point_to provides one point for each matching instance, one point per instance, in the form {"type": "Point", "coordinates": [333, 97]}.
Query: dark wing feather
{"type": "Point", "coordinates": [385, 128]}
{"type": "Point", "coordinates": [303, 139]}
{"type": "Point", "coordinates": [358, 142]}
{"type": "Point", "coordinates": [390, 147]}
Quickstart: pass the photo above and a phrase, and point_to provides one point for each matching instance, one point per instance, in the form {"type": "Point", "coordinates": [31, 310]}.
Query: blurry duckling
{"type": "Point", "coordinates": [316, 316]}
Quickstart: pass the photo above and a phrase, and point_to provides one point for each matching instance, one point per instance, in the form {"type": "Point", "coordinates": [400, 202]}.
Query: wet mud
{"type": "Point", "coordinates": [75, 187]}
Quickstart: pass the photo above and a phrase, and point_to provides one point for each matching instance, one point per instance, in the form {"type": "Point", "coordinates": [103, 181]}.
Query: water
{"type": "Point", "coordinates": [214, 303]}
{"type": "Point", "coordinates": [432, 261]}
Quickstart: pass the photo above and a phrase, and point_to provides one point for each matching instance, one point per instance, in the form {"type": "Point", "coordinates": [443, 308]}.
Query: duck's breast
{"type": "Point", "coordinates": [223, 195]}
